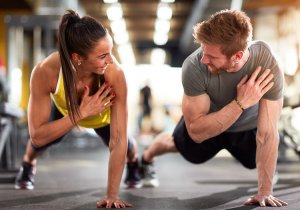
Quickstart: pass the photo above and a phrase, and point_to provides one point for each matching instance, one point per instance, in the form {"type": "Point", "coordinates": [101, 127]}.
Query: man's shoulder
{"type": "Point", "coordinates": [260, 44]}
{"type": "Point", "coordinates": [193, 60]}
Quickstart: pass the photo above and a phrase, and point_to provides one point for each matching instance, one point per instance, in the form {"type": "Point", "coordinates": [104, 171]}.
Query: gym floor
{"type": "Point", "coordinates": [73, 174]}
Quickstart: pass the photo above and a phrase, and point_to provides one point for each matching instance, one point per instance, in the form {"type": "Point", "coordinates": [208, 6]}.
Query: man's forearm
{"type": "Point", "coordinates": [266, 158]}
{"type": "Point", "coordinates": [214, 123]}
{"type": "Point", "coordinates": [267, 140]}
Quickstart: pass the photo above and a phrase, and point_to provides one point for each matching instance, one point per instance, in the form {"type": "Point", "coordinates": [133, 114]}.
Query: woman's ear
{"type": "Point", "coordinates": [76, 58]}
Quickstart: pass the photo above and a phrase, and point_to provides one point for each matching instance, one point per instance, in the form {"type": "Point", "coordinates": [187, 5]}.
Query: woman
{"type": "Point", "coordinates": [88, 88]}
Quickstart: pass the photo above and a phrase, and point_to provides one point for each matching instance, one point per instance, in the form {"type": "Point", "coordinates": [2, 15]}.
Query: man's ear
{"type": "Point", "coordinates": [238, 56]}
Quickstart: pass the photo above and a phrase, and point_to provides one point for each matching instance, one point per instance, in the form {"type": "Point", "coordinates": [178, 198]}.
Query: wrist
{"type": "Point", "coordinates": [265, 193]}
{"type": "Point", "coordinates": [239, 104]}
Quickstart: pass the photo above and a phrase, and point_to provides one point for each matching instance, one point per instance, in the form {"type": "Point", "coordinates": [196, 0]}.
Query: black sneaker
{"type": "Point", "coordinates": [133, 178]}
{"type": "Point", "coordinates": [24, 179]}
{"type": "Point", "coordinates": [149, 177]}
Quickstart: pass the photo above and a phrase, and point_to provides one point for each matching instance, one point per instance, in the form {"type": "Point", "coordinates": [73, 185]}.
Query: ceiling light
{"type": "Point", "coordinates": [126, 54]}
{"type": "Point", "coordinates": [158, 56]}
{"type": "Point", "coordinates": [167, 1]}
{"type": "Point", "coordinates": [160, 38]}
{"type": "Point", "coordinates": [164, 11]}
{"type": "Point", "coordinates": [110, 1]}
{"type": "Point", "coordinates": [162, 26]}
{"type": "Point", "coordinates": [118, 26]}
{"type": "Point", "coordinates": [114, 12]}
{"type": "Point", "coordinates": [121, 38]}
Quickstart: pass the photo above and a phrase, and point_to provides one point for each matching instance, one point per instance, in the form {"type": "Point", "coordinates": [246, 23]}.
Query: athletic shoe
{"type": "Point", "coordinates": [149, 177]}
{"type": "Point", "coordinates": [275, 178]}
{"type": "Point", "coordinates": [25, 177]}
{"type": "Point", "coordinates": [133, 178]}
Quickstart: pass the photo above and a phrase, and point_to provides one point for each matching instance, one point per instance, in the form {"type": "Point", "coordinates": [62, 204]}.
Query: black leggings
{"type": "Point", "coordinates": [103, 133]}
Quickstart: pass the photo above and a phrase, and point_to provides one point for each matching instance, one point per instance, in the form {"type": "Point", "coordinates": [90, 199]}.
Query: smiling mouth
{"type": "Point", "coordinates": [103, 68]}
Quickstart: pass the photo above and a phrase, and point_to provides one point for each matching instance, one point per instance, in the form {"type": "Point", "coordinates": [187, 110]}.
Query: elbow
{"type": "Point", "coordinates": [34, 139]}
{"type": "Point", "coordinates": [194, 135]}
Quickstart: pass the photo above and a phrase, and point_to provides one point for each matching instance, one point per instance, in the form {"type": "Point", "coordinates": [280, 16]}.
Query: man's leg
{"type": "Point", "coordinates": [181, 142]}
{"type": "Point", "coordinates": [163, 143]}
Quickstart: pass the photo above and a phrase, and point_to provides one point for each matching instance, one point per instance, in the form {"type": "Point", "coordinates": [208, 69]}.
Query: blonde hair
{"type": "Point", "coordinates": [231, 29]}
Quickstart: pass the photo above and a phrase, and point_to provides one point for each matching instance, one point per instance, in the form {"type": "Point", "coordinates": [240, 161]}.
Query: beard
{"type": "Point", "coordinates": [216, 70]}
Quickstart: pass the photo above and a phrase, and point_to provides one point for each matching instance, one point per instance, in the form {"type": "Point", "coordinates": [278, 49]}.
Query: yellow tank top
{"type": "Point", "coordinates": [60, 102]}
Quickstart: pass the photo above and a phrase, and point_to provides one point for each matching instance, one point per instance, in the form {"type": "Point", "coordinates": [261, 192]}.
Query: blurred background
{"type": "Point", "coordinates": [151, 40]}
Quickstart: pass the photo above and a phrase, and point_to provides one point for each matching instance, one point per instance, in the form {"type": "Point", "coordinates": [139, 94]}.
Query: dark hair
{"type": "Point", "coordinates": [231, 29]}
{"type": "Point", "coordinates": [75, 35]}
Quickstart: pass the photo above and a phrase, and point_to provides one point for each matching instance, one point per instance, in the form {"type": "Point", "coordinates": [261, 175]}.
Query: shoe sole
{"type": "Point", "coordinates": [133, 186]}
{"type": "Point", "coordinates": [150, 183]}
{"type": "Point", "coordinates": [22, 187]}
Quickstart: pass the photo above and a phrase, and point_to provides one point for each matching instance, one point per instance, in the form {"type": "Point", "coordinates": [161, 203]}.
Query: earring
{"type": "Point", "coordinates": [78, 63]}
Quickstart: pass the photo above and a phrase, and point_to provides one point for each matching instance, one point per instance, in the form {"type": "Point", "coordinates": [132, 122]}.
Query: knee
{"type": "Point", "coordinates": [164, 140]}
{"type": "Point", "coordinates": [249, 165]}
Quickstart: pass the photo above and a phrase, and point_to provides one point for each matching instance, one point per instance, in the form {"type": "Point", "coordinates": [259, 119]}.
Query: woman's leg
{"type": "Point", "coordinates": [25, 177]}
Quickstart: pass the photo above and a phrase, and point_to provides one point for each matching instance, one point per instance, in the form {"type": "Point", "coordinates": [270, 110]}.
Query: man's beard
{"type": "Point", "coordinates": [213, 69]}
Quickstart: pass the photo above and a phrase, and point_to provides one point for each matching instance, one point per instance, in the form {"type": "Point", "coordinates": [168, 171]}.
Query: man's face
{"type": "Point", "coordinates": [215, 60]}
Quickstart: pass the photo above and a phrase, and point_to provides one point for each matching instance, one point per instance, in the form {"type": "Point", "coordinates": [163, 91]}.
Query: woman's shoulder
{"type": "Point", "coordinates": [47, 71]}
{"type": "Point", "coordinates": [114, 69]}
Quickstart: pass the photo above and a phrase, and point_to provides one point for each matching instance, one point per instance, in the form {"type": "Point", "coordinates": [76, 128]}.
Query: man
{"type": "Point", "coordinates": [233, 90]}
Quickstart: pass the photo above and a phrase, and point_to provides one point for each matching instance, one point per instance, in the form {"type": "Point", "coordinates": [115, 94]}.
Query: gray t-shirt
{"type": "Point", "coordinates": [221, 88]}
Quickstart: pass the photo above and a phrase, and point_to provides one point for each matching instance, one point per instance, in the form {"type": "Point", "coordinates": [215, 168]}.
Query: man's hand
{"type": "Point", "coordinates": [265, 200]}
{"type": "Point", "coordinates": [250, 91]}
{"type": "Point", "coordinates": [109, 202]}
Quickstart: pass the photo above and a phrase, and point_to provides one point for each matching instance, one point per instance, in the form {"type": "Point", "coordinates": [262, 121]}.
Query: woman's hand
{"type": "Point", "coordinates": [97, 103]}
{"type": "Point", "coordinates": [110, 202]}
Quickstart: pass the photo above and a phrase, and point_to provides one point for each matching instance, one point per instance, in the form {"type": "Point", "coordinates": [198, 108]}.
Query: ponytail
{"type": "Point", "coordinates": [75, 35]}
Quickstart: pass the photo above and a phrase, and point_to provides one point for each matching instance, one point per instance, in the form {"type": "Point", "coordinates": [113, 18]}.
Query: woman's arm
{"type": "Point", "coordinates": [43, 82]}
{"type": "Point", "coordinates": [118, 130]}
{"type": "Point", "coordinates": [41, 131]}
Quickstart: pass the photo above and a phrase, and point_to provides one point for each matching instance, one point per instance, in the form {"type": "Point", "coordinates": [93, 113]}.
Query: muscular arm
{"type": "Point", "coordinates": [267, 140]}
{"type": "Point", "coordinates": [41, 131]}
{"type": "Point", "coordinates": [118, 132]}
{"type": "Point", "coordinates": [200, 124]}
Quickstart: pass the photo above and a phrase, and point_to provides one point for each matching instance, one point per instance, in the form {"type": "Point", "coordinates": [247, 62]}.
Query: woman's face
{"type": "Point", "coordinates": [100, 56]}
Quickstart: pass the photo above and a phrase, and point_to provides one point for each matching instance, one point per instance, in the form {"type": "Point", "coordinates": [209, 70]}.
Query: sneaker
{"type": "Point", "coordinates": [133, 178]}
{"type": "Point", "coordinates": [149, 177]}
{"type": "Point", "coordinates": [24, 179]}
{"type": "Point", "coordinates": [275, 178]}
